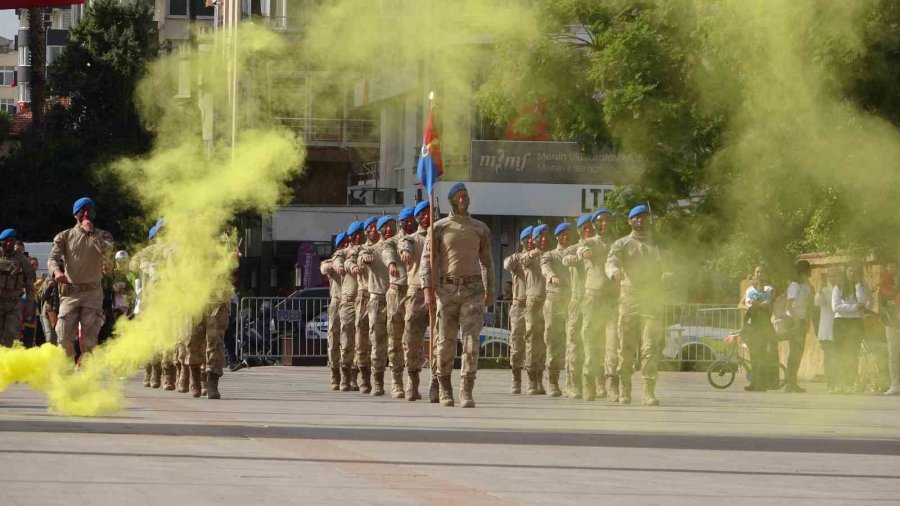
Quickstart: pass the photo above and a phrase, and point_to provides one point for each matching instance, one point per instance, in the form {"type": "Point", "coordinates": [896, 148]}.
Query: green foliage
{"type": "Point", "coordinates": [5, 126]}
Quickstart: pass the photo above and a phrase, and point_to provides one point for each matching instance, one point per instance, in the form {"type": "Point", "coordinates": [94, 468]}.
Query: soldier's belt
{"type": "Point", "coordinates": [363, 294]}
{"type": "Point", "coordinates": [348, 298]}
{"type": "Point", "coordinates": [70, 288]}
{"type": "Point", "coordinates": [459, 280]}
{"type": "Point", "coordinates": [398, 287]}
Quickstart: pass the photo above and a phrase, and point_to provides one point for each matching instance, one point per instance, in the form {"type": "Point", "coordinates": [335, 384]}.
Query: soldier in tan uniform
{"type": "Point", "coordinates": [513, 264]}
{"type": "Point", "coordinates": [535, 294]}
{"type": "Point", "coordinates": [334, 320]}
{"type": "Point", "coordinates": [411, 248]}
{"type": "Point", "coordinates": [396, 296]}
{"type": "Point", "coordinates": [144, 264]}
{"type": "Point", "coordinates": [349, 288]}
{"type": "Point", "coordinates": [600, 376]}
{"type": "Point", "coordinates": [637, 262]}
{"type": "Point", "coordinates": [76, 261]}
{"type": "Point", "coordinates": [205, 352]}
{"type": "Point", "coordinates": [377, 259]}
{"type": "Point", "coordinates": [555, 265]}
{"type": "Point", "coordinates": [574, 342]}
{"type": "Point", "coordinates": [16, 278]}
{"type": "Point", "coordinates": [464, 286]}
{"type": "Point", "coordinates": [363, 343]}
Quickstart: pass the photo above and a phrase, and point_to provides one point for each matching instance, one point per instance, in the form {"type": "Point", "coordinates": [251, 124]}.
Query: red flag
{"type": "Point", "coordinates": [432, 143]}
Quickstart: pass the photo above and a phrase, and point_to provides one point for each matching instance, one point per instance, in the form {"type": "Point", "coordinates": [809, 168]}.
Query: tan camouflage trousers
{"type": "Point", "coordinates": [348, 331]}
{"type": "Point", "coordinates": [11, 321]}
{"type": "Point", "coordinates": [535, 349]}
{"type": "Point", "coordinates": [517, 334]}
{"type": "Point", "coordinates": [207, 343]}
{"type": "Point", "coordinates": [334, 333]}
{"type": "Point", "coordinates": [556, 310]}
{"type": "Point", "coordinates": [599, 335]}
{"type": "Point", "coordinates": [414, 329]}
{"type": "Point", "coordinates": [363, 346]}
{"type": "Point", "coordinates": [639, 331]}
{"type": "Point", "coordinates": [396, 322]}
{"type": "Point", "coordinates": [574, 342]}
{"type": "Point", "coordinates": [459, 307]}
{"type": "Point", "coordinates": [83, 308]}
{"type": "Point", "coordinates": [378, 331]}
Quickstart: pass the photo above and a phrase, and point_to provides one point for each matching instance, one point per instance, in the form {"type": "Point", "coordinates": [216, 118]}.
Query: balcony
{"type": "Point", "coordinates": [335, 132]}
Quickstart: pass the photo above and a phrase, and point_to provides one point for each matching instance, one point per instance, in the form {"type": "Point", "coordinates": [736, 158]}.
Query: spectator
{"type": "Point", "coordinates": [825, 331]}
{"type": "Point", "coordinates": [889, 302]}
{"type": "Point", "coordinates": [760, 334]}
{"type": "Point", "coordinates": [849, 300]}
{"type": "Point", "coordinates": [799, 301]}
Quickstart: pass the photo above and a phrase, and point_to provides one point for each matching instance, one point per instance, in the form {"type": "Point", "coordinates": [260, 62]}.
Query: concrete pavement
{"type": "Point", "coordinates": [281, 436]}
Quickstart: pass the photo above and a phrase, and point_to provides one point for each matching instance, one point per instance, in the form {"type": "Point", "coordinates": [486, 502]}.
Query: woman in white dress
{"type": "Point", "coordinates": [826, 324]}
{"type": "Point", "coordinates": [850, 300]}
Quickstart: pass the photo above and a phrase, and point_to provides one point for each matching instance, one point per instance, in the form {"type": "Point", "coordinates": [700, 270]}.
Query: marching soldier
{"type": "Point", "coordinates": [327, 268]}
{"type": "Point", "coordinates": [76, 261]}
{"type": "Point", "coordinates": [144, 264]}
{"type": "Point", "coordinates": [574, 342]}
{"type": "Point", "coordinates": [513, 264]}
{"type": "Point", "coordinates": [377, 261]}
{"type": "Point", "coordinates": [636, 261]}
{"type": "Point", "coordinates": [535, 293]}
{"type": "Point", "coordinates": [396, 296]}
{"type": "Point", "coordinates": [555, 267]}
{"type": "Point", "coordinates": [363, 344]}
{"type": "Point", "coordinates": [464, 277]}
{"type": "Point", "coordinates": [416, 316]}
{"type": "Point", "coordinates": [350, 358]}
{"type": "Point", "coordinates": [16, 278]}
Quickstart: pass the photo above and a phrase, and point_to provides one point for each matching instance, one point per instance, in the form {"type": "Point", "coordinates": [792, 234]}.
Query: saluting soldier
{"type": "Point", "coordinates": [380, 265]}
{"type": "Point", "coordinates": [535, 293]}
{"type": "Point", "coordinates": [555, 265]}
{"type": "Point", "coordinates": [396, 295]}
{"type": "Point", "coordinates": [350, 359]}
{"type": "Point", "coordinates": [513, 264]}
{"type": "Point", "coordinates": [416, 318]}
{"type": "Point", "coordinates": [327, 268]}
{"type": "Point", "coordinates": [574, 342]}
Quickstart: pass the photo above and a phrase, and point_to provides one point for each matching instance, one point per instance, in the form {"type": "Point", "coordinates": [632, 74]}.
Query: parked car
{"type": "Point", "coordinates": [699, 338]}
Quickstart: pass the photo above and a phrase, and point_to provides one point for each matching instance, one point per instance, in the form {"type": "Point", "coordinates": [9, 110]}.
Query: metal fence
{"type": "Point", "coordinates": [294, 330]}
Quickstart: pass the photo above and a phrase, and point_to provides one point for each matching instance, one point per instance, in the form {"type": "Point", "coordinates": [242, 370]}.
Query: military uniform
{"type": "Point", "coordinates": [556, 263]}
{"type": "Point", "coordinates": [416, 314]}
{"type": "Point", "coordinates": [396, 312]}
{"type": "Point", "coordinates": [334, 319]}
{"type": "Point", "coordinates": [378, 282]}
{"type": "Point", "coordinates": [144, 263]}
{"type": "Point", "coordinates": [80, 256]}
{"type": "Point", "coordinates": [464, 273]}
{"type": "Point", "coordinates": [206, 347]}
{"type": "Point", "coordinates": [574, 342]}
{"type": "Point", "coordinates": [535, 294]}
{"type": "Point", "coordinates": [599, 326]}
{"type": "Point", "coordinates": [639, 262]}
{"type": "Point", "coordinates": [363, 345]}
{"type": "Point", "coordinates": [513, 265]}
{"type": "Point", "coordinates": [16, 278]}
{"type": "Point", "coordinates": [347, 313]}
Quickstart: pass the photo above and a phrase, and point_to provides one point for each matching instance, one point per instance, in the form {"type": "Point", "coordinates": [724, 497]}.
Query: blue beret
{"type": "Point", "coordinates": [421, 206]}
{"type": "Point", "coordinates": [80, 203]}
{"type": "Point", "coordinates": [369, 222]}
{"type": "Point", "coordinates": [153, 230]}
{"type": "Point", "coordinates": [455, 188]}
{"type": "Point", "coordinates": [9, 233]}
{"type": "Point", "coordinates": [384, 220]}
{"type": "Point", "coordinates": [596, 214]}
{"type": "Point", "coordinates": [536, 232]}
{"type": "Point", "coordinates": [339, 239]}
{"type": "Point", "coordinates": [638, 210]}
{"type": "Point", "coordinates": [525, 233]}
{"type": "Point", "coordinates": [160, 222]}
{"type": "Point", "coordinates": [354, 228]}
{"type": "Point", "coordinates": [405, 214]}
{"type": "Point", "coordinates": [562, 227]}
{"type": "Point", "coordinates": [583, 220]}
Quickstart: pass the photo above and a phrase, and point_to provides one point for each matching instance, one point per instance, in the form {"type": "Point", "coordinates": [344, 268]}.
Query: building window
{"type": "Point", "coordinates": [53, 53]}
{"type": "Point", "coordinates": [24, 56]}
{"type": "Point", "coordinates": [179, 8]}
{"type": "Point", "coordinates": [23, 94]}
{"type": "Point", "coordinates": [8, 105]}
{"type": "Point", "coordinates": [7, 76]}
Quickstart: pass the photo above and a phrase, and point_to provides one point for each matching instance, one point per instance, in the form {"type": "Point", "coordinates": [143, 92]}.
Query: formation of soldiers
{"type": "Point", "coordinates": [584, 307]}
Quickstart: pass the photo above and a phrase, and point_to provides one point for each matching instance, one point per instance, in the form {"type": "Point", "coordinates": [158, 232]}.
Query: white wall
{"type": "Point", "coordinates": [527, 199]}
{"type": "Point", "coordinates": [320, 223]}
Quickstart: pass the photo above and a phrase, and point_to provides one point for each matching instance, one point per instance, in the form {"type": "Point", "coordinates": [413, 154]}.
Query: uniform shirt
{"type": "Point", "coordinates": [414, 244]}
{"type": "Point", "coordinates": [535, 285]}
{"type": "Point", "coordinates": [334, 281]}
{"type": "Point", "coordinates": [595, 277]}
{"type": "Point", "coordinates": [514, 266]}
{"type": "Point", "coordinates": [390, 254]}
{"type": "Point", "coordinates": [463, 249]}
{"type": "Point", "coordinates": [348, 281]}
{"type": "Point", "coordinates": [844, 306]}
{"type": "Point", "coordinates": [576, 271]}
{"type": "Point", "coordinates": [362, 278]}
{"type": "Point", "coordinates": [16, 275]}
{"type": "Point", "coordinates": [79, 254]}
{"type": "Point", "coordinates": [556, 262]}
{"type": "Point", "coordinates": [640, 262]}
{"type": "Point", "coordinates": [378, 275]}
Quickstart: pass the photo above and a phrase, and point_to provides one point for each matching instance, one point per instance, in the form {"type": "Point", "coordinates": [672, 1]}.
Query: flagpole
{"type": "Point", "coordinates": [432, 257]}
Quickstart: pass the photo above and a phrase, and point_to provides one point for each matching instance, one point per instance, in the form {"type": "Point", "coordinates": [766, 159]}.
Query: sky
{"type": "Point", "coordinates": [9, 23]}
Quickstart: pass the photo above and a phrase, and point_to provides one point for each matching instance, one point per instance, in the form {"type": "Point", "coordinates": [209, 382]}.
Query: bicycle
{"type": "Point", "coordinates": [721, 373]}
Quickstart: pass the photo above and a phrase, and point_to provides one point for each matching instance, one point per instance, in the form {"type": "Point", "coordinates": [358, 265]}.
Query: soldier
{"type": "Point", "coordinates": [464, 277]}
{"type": "Point", "coordinates": [376, 261]}
{"type": "Point", "coordinates": [574, 342]}
{"type": "Point", "coordinates": [16, 278]}
{"type": "Point", "coordinates": [396, 296]}
{"type": "Point", "coordinates": [599, 327]}
{"type": "Point", "coordinates": [513, 264]}
{"type": "Point", "coordinates": [363, 344]}
{"type": "Point", "coordinates": [416, 319]}
{"type": "Point", "coordinates": [349, 289]}
{"type": "Point", "coordinates": [144, 264]}
{"type": "Point", "coordinates": [555, 267]}
{"type": "Point", "coordinates": [334, 319]}
{"type": "Point", "coordinates": [535, 293]}
{"type": "Point", "coordinates": [636, 262]}
{"type": "Point", "coordinates": [76, 261]}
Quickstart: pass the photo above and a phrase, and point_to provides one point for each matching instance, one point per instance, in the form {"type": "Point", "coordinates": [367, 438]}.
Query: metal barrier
{"type": "Point", "coordinates": [694, 334]}
{"type": "Point", "coordinates": [282, 328]}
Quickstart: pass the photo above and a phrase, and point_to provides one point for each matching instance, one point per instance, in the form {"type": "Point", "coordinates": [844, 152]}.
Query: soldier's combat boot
{"type": "Point", "coordinates": [434, 391]}
{"type": "Point", "coordinates": [539, 382]}
{"type": "Point", "coordinates": [148, 372]}
{"type": "Point", "coordinates": [446, 391]}
{"type": "Point", "coordinates": [553, 383]}
{"type": "Point", "coordinates": [378, 389]}
{"type": "Point", "coordinates": [624, 390]}
{"type": "Point", "coordinates": [184, 379]}
{"type": "Point", "coordinates": [532, 383]}
{"type": "Point", "coordinates": [169, 382]}
{"type": "Point", "coordinates": [412, 388]}
{"type": "Point", "coordinates": [354, 379]}
{"type": "Point", "coordinates": [365, 385]}
{"type": "Point", "coordinates": [335, 378]}
{"type": "Point", "coordinates": [212, 386]}
{"type": "Point", "coordinates": [613, 388]}
{"type": "Point", "coordinates": [588, 392]}
{"type": "Point", "coordinates": [650, 393]}
{"type": "Point", "coordinates": [516, 382]}
{"type": "Point", "coordinates": [203, 382]}
{"type": "Point", "coordinates": [195, 387]}
{"type": "Point", "coordinates": [601, 387]}
{"type": "Point", "coordinates": [156, 376]}
{"type": "Point", "coordinates": [345, 379]}
{"type": "Point", "coordinates": [577, 388]}
{"type": "Point", "coordinates": [397, 384]}
{"type": "Point", "coordinates": [467, 385]}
